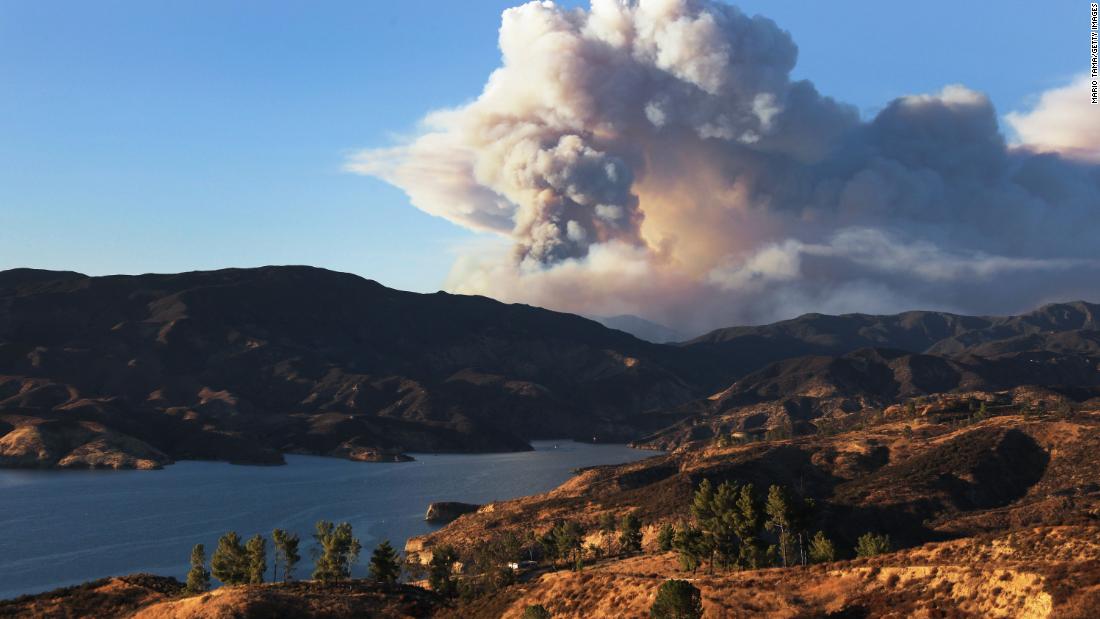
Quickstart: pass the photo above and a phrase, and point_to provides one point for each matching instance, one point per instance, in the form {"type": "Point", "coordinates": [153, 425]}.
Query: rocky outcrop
{"type": "Point", "coordinates": [446, 511]}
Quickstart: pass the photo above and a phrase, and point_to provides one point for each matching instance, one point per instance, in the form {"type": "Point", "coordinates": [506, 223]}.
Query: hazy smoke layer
{"type": "Point", "coordinates": [654, 157]}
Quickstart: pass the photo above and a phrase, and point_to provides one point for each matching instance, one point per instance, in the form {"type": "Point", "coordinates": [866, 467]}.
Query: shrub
{"type": "Point", "coordinates": [677, 599]}
{"type": "Point", "coordinates": [871, 544]}
{"type": "Point", "coordinates": [822, 549]}
{"type": "Point", "coordinates": [536, 611]}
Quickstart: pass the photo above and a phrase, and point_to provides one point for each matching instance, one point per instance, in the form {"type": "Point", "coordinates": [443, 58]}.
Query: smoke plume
{"type": "Point", "coordinates": [654, 157]}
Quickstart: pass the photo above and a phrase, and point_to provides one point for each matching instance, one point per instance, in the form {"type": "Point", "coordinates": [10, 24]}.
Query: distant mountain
{"type": "Point", "coordinates": [1062, 327]}
{"type": "Point", "coordinates": [244, 364]}
{"type": "Point", "coordinates": [248, 364]}
{"type": "Point", "coordinates": [641, 328]}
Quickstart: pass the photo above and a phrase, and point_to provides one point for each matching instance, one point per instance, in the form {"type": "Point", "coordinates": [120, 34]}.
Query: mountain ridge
{"type": "Point", "coordinates": [248, 364]}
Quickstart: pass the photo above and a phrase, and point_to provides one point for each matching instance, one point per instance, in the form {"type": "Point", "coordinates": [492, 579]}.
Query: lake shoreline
{"type": "Point", "coordinates": [102, 522]}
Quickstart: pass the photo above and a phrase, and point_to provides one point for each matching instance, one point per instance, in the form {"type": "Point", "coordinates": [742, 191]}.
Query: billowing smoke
{"type": "Point", "coordinates": [654, 157]}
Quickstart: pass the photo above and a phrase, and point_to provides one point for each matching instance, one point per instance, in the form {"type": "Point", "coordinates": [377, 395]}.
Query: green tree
{"type": "Point", "coordinates": [257, 559]}
{"type": "Point", "coordinates": [665, 536]}
{"type": "Point", "coordinates": [871, 544]}
{"type": "Point", "coordinates": [568, 538]}
{"type": "Point", "coordinates": [489, 559]}
{"type": "Point", "coordinates": [630, 533]}
{"type": "Point", "coordinates": [286, 552]}
{"type": "Point", "coordinates": [746, 521]}
{"type": "Point", "coordinates": [536, 611]}
{"type": "Point", "coordinates": [779, 516]}
{"type": "Point", "coordinates": [677, 599]}
{"type": "Point", "coordinates": [821, 549]}
{"type": "Point", "coordinates": [441, 571]}
{"type": "Point", "coordinates": [337, 551]}
{"type": "Point", "coordinates": [607, 527]}
{"type": "Point", "coordinates": [229, 564]}
{"type": "Point", "coordinates": [690, 546]}
{"type": "Point", "coordinates": [198, 578]}
{"type": "Point", "coordinates": [384, 566]}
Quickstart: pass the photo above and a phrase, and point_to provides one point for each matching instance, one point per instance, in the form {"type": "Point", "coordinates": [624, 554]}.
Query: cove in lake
{"type": "Point", "coordinates": [66, 527]}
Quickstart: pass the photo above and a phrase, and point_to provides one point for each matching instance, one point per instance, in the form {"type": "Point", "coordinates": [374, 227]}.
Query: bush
{"type": "Point", "coordinates": [677, 599]}
{"type": "Point", "coordinates": [871, 544]}
{"type": "Point", "coordinates": [536, 611]}
{"type": "Point", "coordinates": [822, 549]}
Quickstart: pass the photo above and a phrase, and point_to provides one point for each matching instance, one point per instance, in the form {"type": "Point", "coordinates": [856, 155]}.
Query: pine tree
{"type": "Point", "coordinates": [338, 551]}
{"type": "Point", "coordinates": [702, 509]}
{"type": "Point", "coordinates": [441, 571]}
{"type": "Point", "coordinates": [229, 564]}
{"type": "Point", "coordinates": [690, 546]}
{"type": "Point", "coordinates": [630, 534]}
{"type": "Point", "coordinates": [257, 559]}
{"type": "Point", "coordinates": [568, 538]}
{"type": "Point", "coordinates": [286, 552]}
{"type": "Point", "coordinates": [724, 540]}
{"type": "Point", "coordinates": [607, 527]}
{"type": "Point", "coordinates": [746, 524]}
{"type": "Point", "coordinates": [665, 536]}
{"type": "Point", "coordinates": [384, 566]}
{"type": "Point", "coordinates": [198, 578]}
{"type": "Point", "coordinates": [677, 599]}
{"type": "Point", "coordinates": [821, 549]}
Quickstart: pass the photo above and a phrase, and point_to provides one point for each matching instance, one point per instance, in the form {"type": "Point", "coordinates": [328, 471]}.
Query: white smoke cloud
{"type": "Point", "coordinates": [1064, 121]}
{"type": "Point", "coordinates": [654, 157]}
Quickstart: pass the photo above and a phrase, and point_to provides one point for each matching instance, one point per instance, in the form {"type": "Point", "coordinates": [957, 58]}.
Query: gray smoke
{"type": "Point", "coordinates": [654, 157]}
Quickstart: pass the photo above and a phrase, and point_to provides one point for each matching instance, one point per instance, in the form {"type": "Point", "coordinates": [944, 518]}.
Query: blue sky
{"type": "Point", "coordinates": [157, 137]}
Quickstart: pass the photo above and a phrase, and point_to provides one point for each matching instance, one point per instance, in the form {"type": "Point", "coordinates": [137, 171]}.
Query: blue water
{"type": "Point", "coordinates": [65, 527]}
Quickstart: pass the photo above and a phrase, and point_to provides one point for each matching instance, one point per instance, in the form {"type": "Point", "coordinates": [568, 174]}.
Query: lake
{"type": "Point", "coordinates": [66, 527]}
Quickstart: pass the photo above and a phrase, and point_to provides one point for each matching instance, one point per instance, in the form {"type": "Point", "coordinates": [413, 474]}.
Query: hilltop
{"type": "Point", "coordinates": [245, 365]}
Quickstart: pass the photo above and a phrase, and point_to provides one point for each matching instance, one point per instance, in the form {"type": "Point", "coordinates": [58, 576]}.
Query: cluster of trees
{"type": "Point", "coordinates": [783, 431]}
{"type": "Point", "coordinates": [729, 526]}
{"type": "Point", "coordinates": [491, 564]}
{"type": "Point", "coordinates": [734, 527]}
{"type": "Point", "coordinates": [336, 550]}
{"type": "Point", "coordinates": [565, 541]}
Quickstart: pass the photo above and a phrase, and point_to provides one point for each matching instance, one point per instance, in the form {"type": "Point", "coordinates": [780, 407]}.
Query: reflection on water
{"type": "Point", "coordinates": [65, 527]}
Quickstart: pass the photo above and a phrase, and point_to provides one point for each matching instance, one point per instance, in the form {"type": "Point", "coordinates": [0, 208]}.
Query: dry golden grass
{"type": "Point", "coordinates": [1021, 574]}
